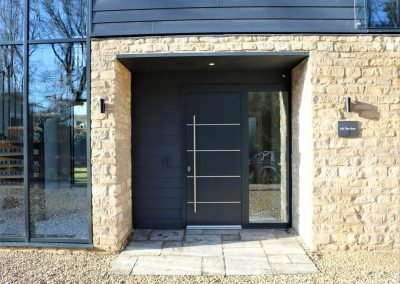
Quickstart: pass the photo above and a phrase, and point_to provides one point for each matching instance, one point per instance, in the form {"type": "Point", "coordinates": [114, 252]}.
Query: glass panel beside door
{"type": "Point", "coordinates": [268, 157]}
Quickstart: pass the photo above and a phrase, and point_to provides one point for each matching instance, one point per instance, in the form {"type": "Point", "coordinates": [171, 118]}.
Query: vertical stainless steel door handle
{"type": "Point", "coordinates": [194, 166]}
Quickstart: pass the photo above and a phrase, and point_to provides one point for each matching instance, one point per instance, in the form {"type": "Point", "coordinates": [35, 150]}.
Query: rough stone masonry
{"type": "Point", "coordinates": [345, 190]}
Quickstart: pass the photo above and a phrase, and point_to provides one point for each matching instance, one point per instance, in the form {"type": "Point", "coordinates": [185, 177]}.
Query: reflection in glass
{"type": "Point", "coordinates": [11, 143]}
{"type": "Point", "coordinates": [268, 146]}
{"type": "Point", "coordinates": [58, 170]}
{"type": "Point", "coordinates": [383, 13]}
{"type": "Point", "coordinates": [11, 20]}
{"type": "Point", "coordinates": [57, 19]}
{"type": "Point", "coordinates": [377, 13]}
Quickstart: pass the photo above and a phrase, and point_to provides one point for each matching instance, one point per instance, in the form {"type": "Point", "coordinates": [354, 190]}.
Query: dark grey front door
{"type": "Point", "coordinates": [213, 157]}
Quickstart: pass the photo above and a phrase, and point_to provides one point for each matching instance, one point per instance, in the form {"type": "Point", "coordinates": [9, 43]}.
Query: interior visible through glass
{"type": "Point", "coordinates": [268, 156]}
{"type": "Point", "coordinates": [12, 222]}
{"type": "Point", "coordinates": [58, 168]}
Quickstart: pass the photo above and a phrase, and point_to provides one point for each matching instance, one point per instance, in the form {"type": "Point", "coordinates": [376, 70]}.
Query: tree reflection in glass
{"type": "Point", "coordinates": [57, 107]}
{"type": "Point", "coordinates": [11, 20]}
{"type": "Point", "coordinates": [383, 13]}
{"type": "Point", "coordinates": [57, 19]}
{"type": "Point", "coordinates": [12, 222]}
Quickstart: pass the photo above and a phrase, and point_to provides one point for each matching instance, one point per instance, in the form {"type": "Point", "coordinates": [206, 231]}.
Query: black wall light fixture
{"type": "Point", "coordinates": [348, 104]}
{"type": "Point", "coordinates": [102, 105]}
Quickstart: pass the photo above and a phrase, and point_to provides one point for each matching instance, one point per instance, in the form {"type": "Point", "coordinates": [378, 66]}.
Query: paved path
{"type": "Point", "coordinates": [212, 252]}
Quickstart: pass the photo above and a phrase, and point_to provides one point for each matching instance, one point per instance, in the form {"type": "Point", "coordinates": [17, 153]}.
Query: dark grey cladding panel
{"type": "Point", "coordinates": [288, 3]}
{"type": "Point", "coordinates": [223, 26]}
{"type": "Point", "coordinates": [254, 26]}
{"type": "Point", "coordinates": [341, 13]}
{"type": "Point", "coordinates": [101, 5]}
{"type": "Point", "coordinates": [158, 17]}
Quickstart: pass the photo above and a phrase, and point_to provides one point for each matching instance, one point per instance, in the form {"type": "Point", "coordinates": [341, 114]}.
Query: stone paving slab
{"type": "Point", "coordinates": [210, 239]}
{"type": "Point", "coordinates": [257, 234]}
{"type": "Point", "coordinates": [194, 232]}
{"type": "Point", "coordinates": [140, 248]}
{"type": "Point", "coordinates": [241, 244]}
{"type": "Point", "coordinates": [282, 246]}
{"type": "Point", "coordinates": [201, 249]}
{"type": "Point", "coordinates": [167, 235]}
{"type": "Point", "coordinates": [230, 237]}
{"type": "Point", "coordinates": [167, 265]}
{"type": "Point", "coordinates": [123, 265]}
{"type": "Point", "coordinates": [277, 259]}
{"type": "Point", "coordinates": [213, 266]}
{"type": "Point", "coordinates": [300, 258]}
{"type": "Point", "coordinates": [246, 266]}
{"type": "Point", "coordinates": [172, 248]}
{"type": "Point", "coordinates": [141, 235]}
{"type": "Point", "coordinates": [221, 232]}
{"type": "Point", "coordinates": [248, 253]}
{"type": "Point", "coordinates": [199, 252]}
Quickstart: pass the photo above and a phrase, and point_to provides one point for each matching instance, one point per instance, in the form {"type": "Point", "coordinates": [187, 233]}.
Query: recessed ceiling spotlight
{"type": "Point", "coordinates": [211, 64]}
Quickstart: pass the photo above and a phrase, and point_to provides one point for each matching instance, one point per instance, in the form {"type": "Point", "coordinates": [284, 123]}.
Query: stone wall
{"type": "Point", "coordinates": [111, 152]}
{"type": "Point", "coordinates": [351, 185]}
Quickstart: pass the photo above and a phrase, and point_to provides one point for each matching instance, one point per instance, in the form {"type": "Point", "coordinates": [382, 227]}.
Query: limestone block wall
{"type": "Point", "coordinates": [111, 152]}
{"type": "Point", "coordinates": [351, 185]}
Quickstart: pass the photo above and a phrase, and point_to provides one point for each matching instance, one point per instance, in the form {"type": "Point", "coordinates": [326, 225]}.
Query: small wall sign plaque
{"type": "Point", "coordinates": [348, 129]}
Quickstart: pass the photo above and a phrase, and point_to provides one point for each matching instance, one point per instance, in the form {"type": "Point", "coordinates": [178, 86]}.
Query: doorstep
{"type": "Point", "coordinates": [212, 252]}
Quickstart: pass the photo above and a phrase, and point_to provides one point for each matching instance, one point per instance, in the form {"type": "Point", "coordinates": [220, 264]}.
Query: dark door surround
{"type": "Point", "coordinates": [158, 142]}
{"type": "Point", "coordinates": [243, 89]}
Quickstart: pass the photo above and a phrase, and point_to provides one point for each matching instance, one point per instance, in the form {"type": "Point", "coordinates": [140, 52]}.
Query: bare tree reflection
{"type": "Point", "coordinates": [11, 20]}
{"type": "Point", "coordinates": [59, 18]}
{"type": "Point", "coordinates": [383, 13]}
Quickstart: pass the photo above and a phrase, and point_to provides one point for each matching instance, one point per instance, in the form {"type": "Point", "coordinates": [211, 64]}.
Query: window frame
{"type": "Point", "coordinates": [27, 240]}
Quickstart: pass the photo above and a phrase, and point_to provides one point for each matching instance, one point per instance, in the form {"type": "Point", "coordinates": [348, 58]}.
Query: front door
{"type": "Point", "coordinates": [213, 157]}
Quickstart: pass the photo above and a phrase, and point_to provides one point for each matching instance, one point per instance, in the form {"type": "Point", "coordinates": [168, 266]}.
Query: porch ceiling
{"type": "Point", "coordinates": [274, 61]}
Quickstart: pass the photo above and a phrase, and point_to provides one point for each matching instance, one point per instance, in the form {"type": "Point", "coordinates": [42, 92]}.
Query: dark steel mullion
{"type": "Point", "coordinates": [18, 42]}
{"type": "Point", "coordinates": [289, 151]}
{"type": "Point", "coordinates": [22, 244]}
{"type": "Point", "coordinates": [58, 240]}
{"type": "Point", "coordinates": [26, 122]}
{"type": "Point", "coordinates": [60, 40]}
{"type": "Point", "coordinates": [88, 128]}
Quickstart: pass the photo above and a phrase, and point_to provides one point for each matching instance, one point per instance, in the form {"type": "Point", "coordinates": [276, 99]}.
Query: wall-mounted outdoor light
{"type": "Point", "coordinates": [102, 105]}
{"type": "Point", "coordinates": [348, 104]}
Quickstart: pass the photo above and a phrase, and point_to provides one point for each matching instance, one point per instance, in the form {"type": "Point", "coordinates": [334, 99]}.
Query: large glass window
{"type": "Point", "coordinates": [57, 19]}
{"type": "Point", "coordinates": [57, 111]}
{"type": "Point", "coordinates": [268, 157]}
{"type": "Point", "coordinates": [43, 112]}
{"type": "Point", "coordinates": [12, 222]}
{"type": "Point", "coordinates": [379, 14]}
{"type": "Point", "coordinates": [11, 20]}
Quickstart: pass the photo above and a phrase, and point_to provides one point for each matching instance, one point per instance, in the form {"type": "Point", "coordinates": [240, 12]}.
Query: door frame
{"type": "Point", "coordinates": [243, 89]}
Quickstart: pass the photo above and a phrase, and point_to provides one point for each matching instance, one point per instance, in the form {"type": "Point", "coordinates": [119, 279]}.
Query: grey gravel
{"type": "Point", "coordinates": [61, 266]}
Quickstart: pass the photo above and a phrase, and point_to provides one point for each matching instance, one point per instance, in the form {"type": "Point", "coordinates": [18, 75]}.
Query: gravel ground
{"type": "Point", "coordinates": [50, 266]}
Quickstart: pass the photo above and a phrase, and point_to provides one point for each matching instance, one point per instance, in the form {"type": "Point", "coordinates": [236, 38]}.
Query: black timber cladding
{"type": "Point", "coordinates": [157, 17]}
{"type": "Point", "coordinates": [158, 134]}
